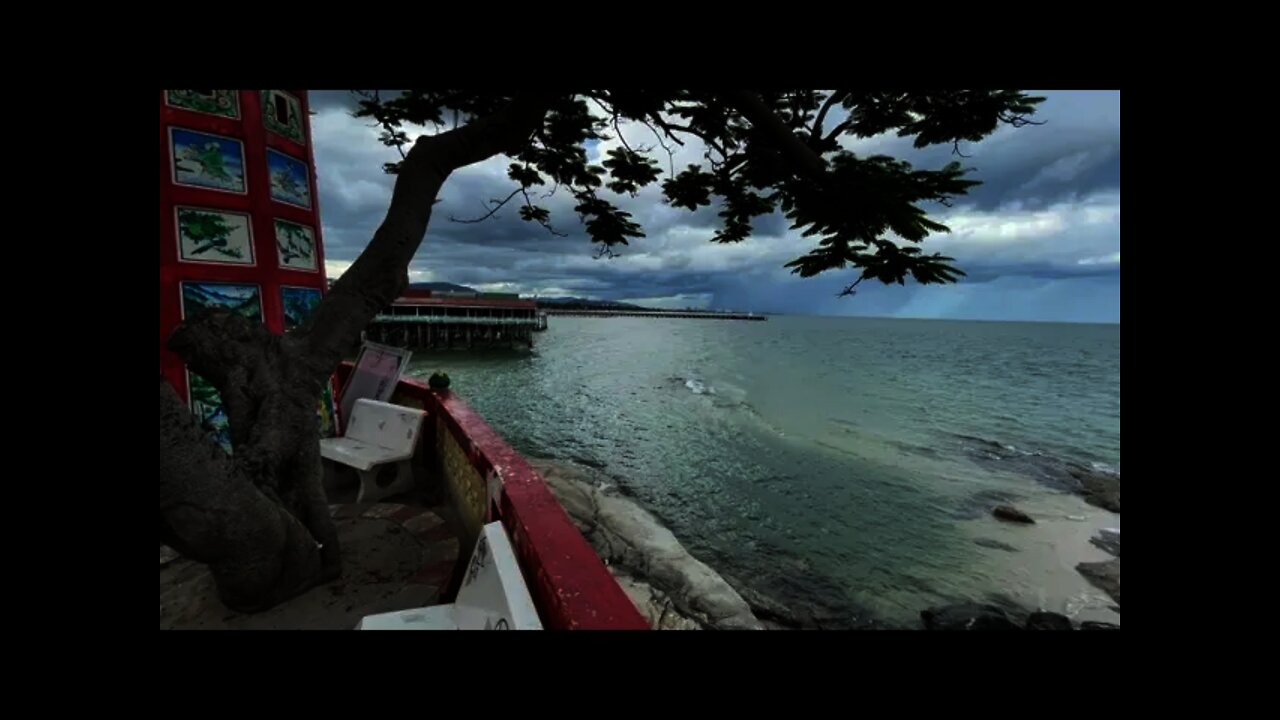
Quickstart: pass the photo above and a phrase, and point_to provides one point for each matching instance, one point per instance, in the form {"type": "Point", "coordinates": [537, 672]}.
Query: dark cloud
{"type": "Point", "coordinates": [1046, 218]}
{"type": "Point", "coordinates": [1074, 154]}
{"type": "Point", "coordinates": [341, 99]}
{"type": "Point", "coordinates": [330, 99]}
{"type": "Point", "coordinates": [1077, 299]}
{"type": "Point", "coordinates": [1038, 171]}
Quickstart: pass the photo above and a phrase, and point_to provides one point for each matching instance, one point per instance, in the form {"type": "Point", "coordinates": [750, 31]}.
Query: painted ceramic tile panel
{"type": "Point", "coordinates": [298, 303]}
{"type": "Point", "coordinates": [214, 102]}
{"type": "Point", "coordinates": [328, 423]}
{"type": "Point", "coordinates": [282, 114]}
{"type": "Point", "coordinates": [290, 182]}
{"type": "Point", "coordinates": [214, 236]}
{"type": "Point", "coordinates": [295, 245]}
{"type": "Point", "coordinates": [207, 161]}
{"type": "Point", "coordinates": [206, 404]}
{"type": "Point", "coordinates": [200, 296]}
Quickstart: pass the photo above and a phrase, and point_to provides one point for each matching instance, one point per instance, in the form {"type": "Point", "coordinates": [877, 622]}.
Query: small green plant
{"type": "Point", "coordinates": [439, 381]}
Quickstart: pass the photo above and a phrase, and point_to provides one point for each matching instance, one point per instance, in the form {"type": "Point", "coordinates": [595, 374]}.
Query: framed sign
{"type": "Point", "coordinates": [374, 377]}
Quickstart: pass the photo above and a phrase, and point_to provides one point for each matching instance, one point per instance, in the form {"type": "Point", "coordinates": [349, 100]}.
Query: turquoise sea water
{"type": "Point", "coordinates": [842, 463]}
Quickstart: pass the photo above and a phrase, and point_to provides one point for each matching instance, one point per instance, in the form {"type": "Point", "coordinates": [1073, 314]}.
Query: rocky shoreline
{"type": "Point", "coordinates": [676, 591]}
{"type": "Point", "coordinates": [673, 589]}
{"type": "Point", "coordinates": [1098, 488]}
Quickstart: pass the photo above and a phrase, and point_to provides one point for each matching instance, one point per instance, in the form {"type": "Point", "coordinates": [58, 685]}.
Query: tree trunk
{"type": "Point", "coordinates": [259, 550]}
{"type": "Point", "coordinates": [260, 518]}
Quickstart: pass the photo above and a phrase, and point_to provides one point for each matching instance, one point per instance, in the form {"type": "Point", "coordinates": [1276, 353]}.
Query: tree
{"type": "Point", "coordinates": [260, 518]}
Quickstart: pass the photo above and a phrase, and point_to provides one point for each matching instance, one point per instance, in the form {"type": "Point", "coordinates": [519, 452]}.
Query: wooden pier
{"type": "Point", "coordinates": [421, 320]}
{"type": "Point", "coordinates": [694, 314]}
{"type": "Point", "coordinates": [428, 320]}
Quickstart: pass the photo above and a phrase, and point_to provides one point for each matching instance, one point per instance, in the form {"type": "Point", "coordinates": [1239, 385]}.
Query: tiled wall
{"type": "Point", "coordinates": [239, 222]}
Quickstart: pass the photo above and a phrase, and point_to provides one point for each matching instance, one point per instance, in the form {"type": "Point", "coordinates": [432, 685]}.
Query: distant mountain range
{"type": "Point", "coordinates": [441, 287]}
{"type": "Point", "coordinates": [566, 303]}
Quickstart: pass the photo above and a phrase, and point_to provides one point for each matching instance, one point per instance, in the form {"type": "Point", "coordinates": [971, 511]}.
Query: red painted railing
{"type": "Point", "coordinates": [571, 587]}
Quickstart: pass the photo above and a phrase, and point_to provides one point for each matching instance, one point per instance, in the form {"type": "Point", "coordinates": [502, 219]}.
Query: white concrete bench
{"type": "Point", "coordinates": [378, 434]}
{"type": "Point", "coordinates": [493, 595]}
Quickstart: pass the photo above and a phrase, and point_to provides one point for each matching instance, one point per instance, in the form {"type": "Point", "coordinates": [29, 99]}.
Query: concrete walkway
{"type": "Point", "coordinates": [394, 557]}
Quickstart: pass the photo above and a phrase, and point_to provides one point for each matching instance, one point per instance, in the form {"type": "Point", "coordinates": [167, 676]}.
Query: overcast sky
{"type": "Point", "coordinates": [1040, 239]}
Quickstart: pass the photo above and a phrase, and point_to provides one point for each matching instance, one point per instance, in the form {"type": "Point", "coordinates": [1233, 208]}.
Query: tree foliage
{"type": "Point", "coordinates": [765, 151]}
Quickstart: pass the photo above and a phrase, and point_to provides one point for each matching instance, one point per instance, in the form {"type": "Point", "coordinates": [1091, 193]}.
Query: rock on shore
{"type": "Point", "coordinates": [980, 616]}
{"type": "Point", "coordinates": [1012, 514]}
{"type": "Point", "coordinates": [1105, 575]}
{"type": "Point", "coordinates": [1100, 489]}
{"type": "Point", "coordinates": [668, 585]}
{"type": "Point", "coordinates": [967, 616]}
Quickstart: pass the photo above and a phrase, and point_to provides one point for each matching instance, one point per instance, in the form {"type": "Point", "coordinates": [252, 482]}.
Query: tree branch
{"type": "Point", "coordinates": [378, 275]}
{"type": "Point", "coordinates": [849, 290]}
{"type": "Point", "coordinates": [671, 128]}
{"type": "Point", "coordinates": [528, 202]}
{"type": "Point", "coordinates": [375, 96]}
{"type": "Point", "coordinates": [1018, 120]}
{"type": "Point", "coordinates": [497, 206]}
{"type": "Point", "coordinates": [816, 134]}
{"type": "Point", "coordinates": [667, 128]}
{"type": "Point", "coordinates": [613, 114]}
{"type": "Point", "coordinates": [546, 224]}
{"type": "Point", "coordinates": [835, 132]}
{"type": "Point", "coordinates": [802, 157]}
{"type": "Point", "coordinates": [671, 156]}
{"type": "Point", "coordinates": [617, 127]}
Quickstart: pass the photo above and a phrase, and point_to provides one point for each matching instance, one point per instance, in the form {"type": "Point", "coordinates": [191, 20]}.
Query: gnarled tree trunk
{"type": "Point", "coordinates": [260, 518]}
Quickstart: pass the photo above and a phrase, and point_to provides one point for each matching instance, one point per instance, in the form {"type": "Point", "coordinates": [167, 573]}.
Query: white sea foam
{"type": "Point", "coordinates": [698, 388]}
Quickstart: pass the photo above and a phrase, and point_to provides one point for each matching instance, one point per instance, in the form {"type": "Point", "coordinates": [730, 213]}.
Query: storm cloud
{"type": "Point", "coordinates": [1039, 240]}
